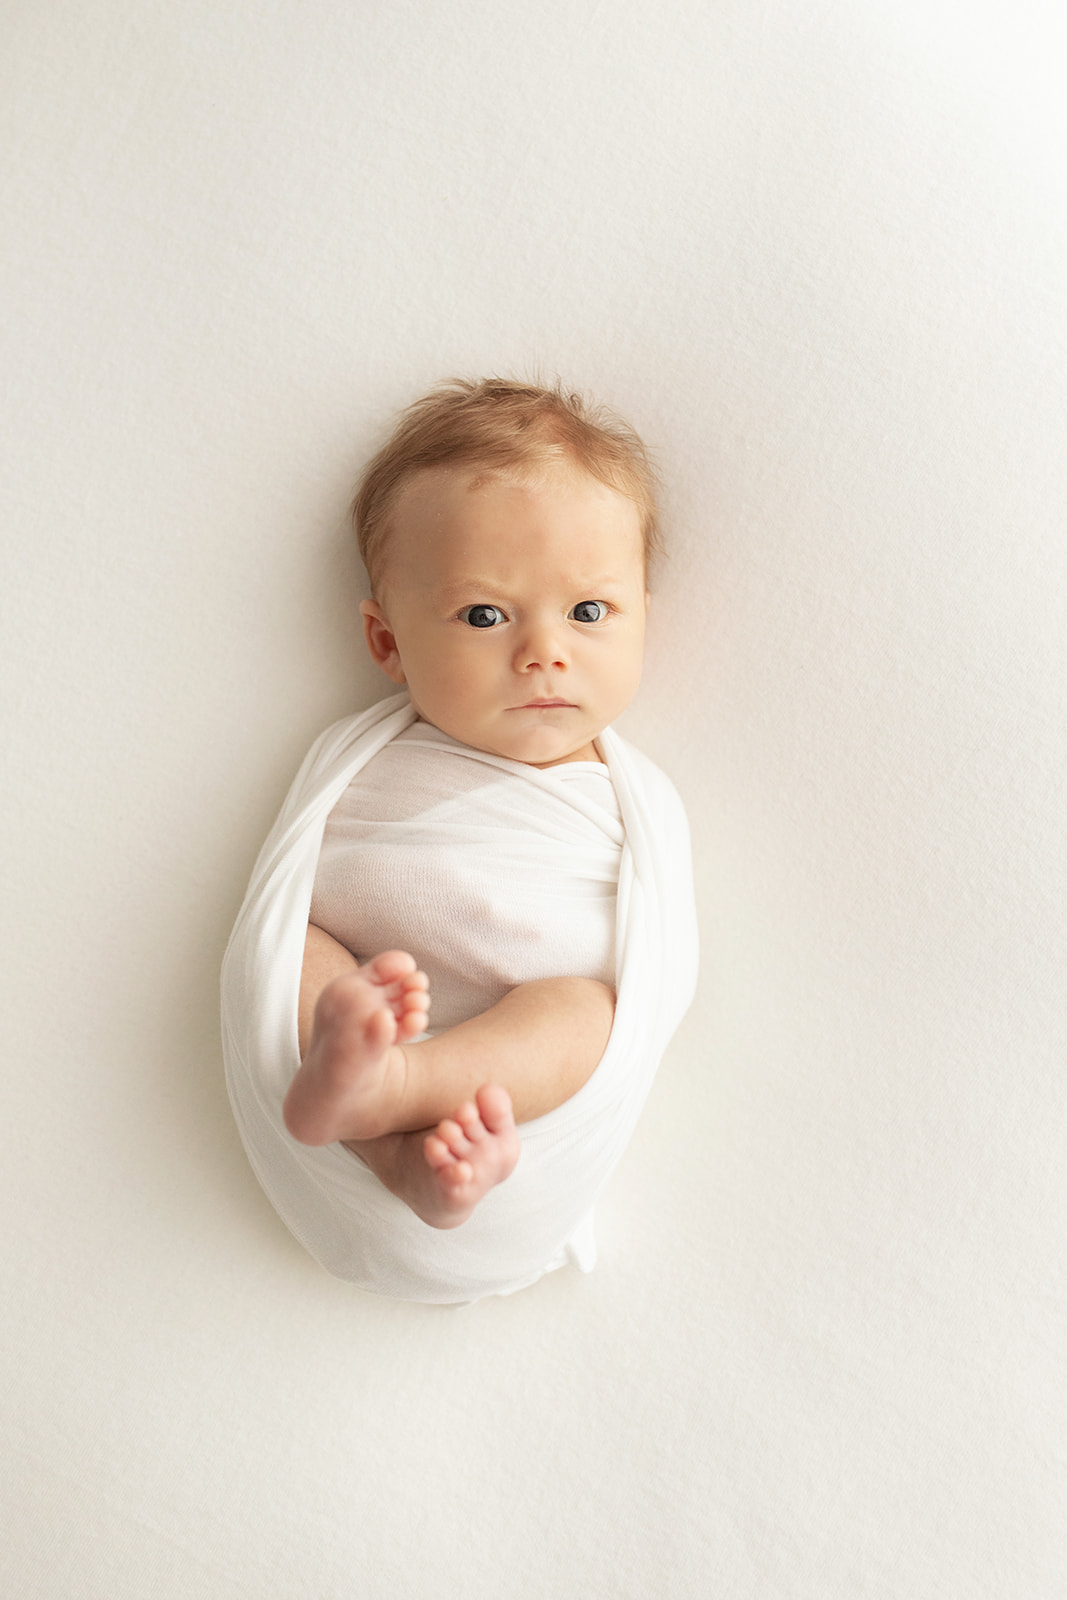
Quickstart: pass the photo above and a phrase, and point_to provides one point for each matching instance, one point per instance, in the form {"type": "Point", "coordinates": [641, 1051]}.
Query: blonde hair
{"type": "Point", "coordinates": [502, 427]}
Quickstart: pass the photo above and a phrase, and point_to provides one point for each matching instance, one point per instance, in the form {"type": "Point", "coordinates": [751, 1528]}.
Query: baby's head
{"type": "Point", "coordinates": [507, 532]}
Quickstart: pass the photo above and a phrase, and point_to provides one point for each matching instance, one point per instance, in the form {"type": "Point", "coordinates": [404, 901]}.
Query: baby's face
{"type": "Point", "coordinates": [514, 612]}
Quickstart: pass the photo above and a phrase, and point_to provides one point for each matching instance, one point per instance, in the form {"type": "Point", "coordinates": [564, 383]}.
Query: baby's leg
{"type": "Point", "coordinates": [367, 1083]}
{"type": "Point", "coordinates": [442, 1175]}
{"type": "Point", "coordinates": [362, 1077]}
{"type": "Point", "coordinates": [541, 1043]}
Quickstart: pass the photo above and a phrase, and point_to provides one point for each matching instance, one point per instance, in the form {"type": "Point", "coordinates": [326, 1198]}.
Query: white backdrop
{"type": "Point", "coordinates": [816, 252]}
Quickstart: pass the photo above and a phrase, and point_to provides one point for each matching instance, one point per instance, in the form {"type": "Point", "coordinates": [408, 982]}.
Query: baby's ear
{"type": "Point", "coordinates": [381, 640]}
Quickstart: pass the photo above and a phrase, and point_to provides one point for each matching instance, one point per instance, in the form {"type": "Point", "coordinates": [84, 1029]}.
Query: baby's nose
{"type": "Point", "coordinates": [541, 645]}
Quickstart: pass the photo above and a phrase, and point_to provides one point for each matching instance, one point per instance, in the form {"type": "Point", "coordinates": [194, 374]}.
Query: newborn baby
{"type": "Point", "coordinates": [483, 841]}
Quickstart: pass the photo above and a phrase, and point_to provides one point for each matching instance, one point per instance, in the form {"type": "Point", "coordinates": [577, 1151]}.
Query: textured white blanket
{"type": "Point", "coordinates": [542, 1216]}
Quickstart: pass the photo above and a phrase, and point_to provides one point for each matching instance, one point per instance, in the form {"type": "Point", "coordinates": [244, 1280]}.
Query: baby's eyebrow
{"type": "Point", "coordinates": [476, 588]}
{"type": "Point", "coordinates": [593, 587]}
{"type": "Point", "coordinates": [463, 588]}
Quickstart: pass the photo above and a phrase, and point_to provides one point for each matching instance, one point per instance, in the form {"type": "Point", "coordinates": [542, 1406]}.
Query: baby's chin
{"type": "Point", "coordinates": [544, 752]}
{"type": "Point", "coordinates": [535, 739]}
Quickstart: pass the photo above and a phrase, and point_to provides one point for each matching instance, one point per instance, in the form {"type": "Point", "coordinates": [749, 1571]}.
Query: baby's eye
{"type": "Point", "coordinates": [589, 611]}
{"type": "Point", "coordinates": [483, 616]}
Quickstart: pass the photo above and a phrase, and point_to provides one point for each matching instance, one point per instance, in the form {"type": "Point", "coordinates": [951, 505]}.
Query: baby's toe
{"type": "Point", "coordinates": [435, 1150]}
{"type": "Point", "coordinates": [392, 966]}
{"type": "Point", "coordinates": [410, 1025]}
{"type": "Point", "coordinates": [494, 1108]}
{"type": "Point", "coordinates": [470, 1120]}
{"type": "Point", "coordinates": [453, 1137]}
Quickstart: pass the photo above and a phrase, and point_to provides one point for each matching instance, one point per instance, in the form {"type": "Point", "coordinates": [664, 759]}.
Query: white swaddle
{"type": "Point", "coordinates": [491, 873]}
{"type": "Point", "coordinates": [541, 1216]}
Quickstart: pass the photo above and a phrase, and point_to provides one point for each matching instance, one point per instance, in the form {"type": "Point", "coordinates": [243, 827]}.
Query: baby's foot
{"type": "Point", "coordinates": [467, 1154]}
{"type": "Point", "coordinates": [353, 1075]}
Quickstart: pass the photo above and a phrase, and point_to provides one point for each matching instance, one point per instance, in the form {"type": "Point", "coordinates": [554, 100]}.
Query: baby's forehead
{"type": "Point", "coordinates": [444, 515]}
{"type": "Point", "coordinates": [428, 494]}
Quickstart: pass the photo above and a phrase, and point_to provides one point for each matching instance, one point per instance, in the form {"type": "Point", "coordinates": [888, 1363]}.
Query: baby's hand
{"type": "Point", "coordinates": [404, 988]}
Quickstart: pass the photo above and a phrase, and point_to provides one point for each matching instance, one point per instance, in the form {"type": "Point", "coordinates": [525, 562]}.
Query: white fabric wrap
{"type": "Point", "coordinates": [541, 1217]}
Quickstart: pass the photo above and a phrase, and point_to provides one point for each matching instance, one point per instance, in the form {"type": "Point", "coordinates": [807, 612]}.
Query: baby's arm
{"type": "Point", "coordinates": [362, 1077]}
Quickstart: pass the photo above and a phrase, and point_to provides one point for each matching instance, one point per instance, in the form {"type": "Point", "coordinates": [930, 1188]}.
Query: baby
{"type": "Point", "coordinates": [506, 531]}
